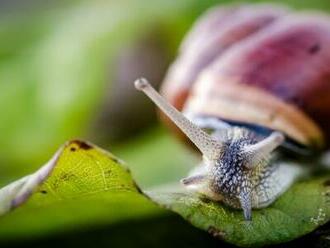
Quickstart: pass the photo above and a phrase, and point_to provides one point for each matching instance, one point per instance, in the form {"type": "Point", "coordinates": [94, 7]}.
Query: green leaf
{"type": "Point", "coordinates": [156, 158]}
{"type": "Point", "coordinates": [299, 211]}
{"type": "Point", "coordinates": [82, 185]}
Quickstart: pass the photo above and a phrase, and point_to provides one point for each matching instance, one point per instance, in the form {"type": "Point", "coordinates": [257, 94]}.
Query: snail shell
{"type": "Point", "coordinates": [264, 68]}
{"type": "Point", "coordinates": [214, 33]}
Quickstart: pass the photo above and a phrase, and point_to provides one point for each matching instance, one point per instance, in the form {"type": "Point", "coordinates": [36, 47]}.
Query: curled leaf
{"type": "Point", "coordinates": [81, 185]}
{"type": "Point", "coordinates": [19, 191]}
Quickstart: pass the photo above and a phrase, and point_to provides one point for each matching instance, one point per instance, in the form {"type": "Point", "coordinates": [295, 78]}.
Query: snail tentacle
{"type": "Point", "coordinates": [209, 147]}
{"type": "Point", "coordinates": [261, 150]}
{"type": "Point", "coordinates": [246, 204]}
{"type": "Point", "coordinates": [197, 179]}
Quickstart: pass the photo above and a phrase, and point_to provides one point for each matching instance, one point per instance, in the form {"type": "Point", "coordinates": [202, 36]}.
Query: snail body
{"type": "Point", "coordinates": [261, 86]}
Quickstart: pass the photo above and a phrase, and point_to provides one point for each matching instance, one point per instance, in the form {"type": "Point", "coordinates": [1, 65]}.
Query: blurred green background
{"type": "Point", "coordinates": [66, 71]}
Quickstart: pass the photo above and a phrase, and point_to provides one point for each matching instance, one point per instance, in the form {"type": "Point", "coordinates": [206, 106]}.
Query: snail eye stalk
{"type": "Point", "coordinates": [262, 149]}
{"type": "Point", "coordinates": [208, 146]}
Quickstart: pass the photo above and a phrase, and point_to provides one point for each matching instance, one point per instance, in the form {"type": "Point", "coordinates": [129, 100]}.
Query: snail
{"type": "Point", "coordinates": [253, 85]}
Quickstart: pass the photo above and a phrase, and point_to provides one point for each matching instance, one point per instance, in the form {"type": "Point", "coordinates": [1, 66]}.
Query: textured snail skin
{"type": "Point", "coordinates": [240, 181]}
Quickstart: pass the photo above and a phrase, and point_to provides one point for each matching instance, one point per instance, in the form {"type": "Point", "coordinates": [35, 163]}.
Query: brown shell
{"type": "Point", "coordinates": [214, 33]}
{"type": "Point", "coordinates": [277, 77]}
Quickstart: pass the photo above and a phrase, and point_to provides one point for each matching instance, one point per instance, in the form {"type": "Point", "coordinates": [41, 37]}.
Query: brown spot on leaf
{"type": "Point", "coordinates": [326, 183]}
{"type": "Point", "coordinates": [114, 159]}
{"type": "Point", "coordinates": [67, 176]}
{"type": "Point", "coordinates": [216, 232]}
{"type": "Point", "coordinates": [314, 49]}
{"type": "Point", "coordinates": [107, 173]}
{"type": "Point", "coordinates": [82, 144]}
{"type": "Point", "coordinates": [138, 188]}
{"type": "Point", "coordinates": [73, 149]}
{"type": "Point", "coordinates": [43, 192]}
{"type": "Point", "coordinates": [127, 169]}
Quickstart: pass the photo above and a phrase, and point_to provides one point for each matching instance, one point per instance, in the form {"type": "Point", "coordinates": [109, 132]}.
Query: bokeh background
{"type": "Point", "coordinates": [67, 70]}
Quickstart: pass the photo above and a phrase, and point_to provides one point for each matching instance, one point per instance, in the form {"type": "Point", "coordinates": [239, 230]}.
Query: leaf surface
{"type": "Point", "coordinates": [81, 186]}
{"type": "Point", "coordinates": [299, 211]}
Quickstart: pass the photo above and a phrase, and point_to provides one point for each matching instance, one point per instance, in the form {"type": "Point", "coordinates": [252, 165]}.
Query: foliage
{"type": "Point", "coordinates": [84, 185]}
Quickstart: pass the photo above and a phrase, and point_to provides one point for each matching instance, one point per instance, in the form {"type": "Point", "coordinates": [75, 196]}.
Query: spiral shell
{"type": "Point", "coordinates": [257, 65]}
